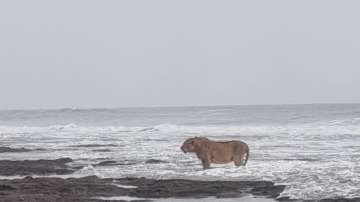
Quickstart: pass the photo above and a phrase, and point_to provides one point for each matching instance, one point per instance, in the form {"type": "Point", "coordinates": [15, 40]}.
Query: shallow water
{"type": "Point", "coordinates": [313, 149]}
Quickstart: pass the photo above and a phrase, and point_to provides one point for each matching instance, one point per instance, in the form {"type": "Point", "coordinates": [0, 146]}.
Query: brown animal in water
{"type": "Point", "coordinates": [209, 151]}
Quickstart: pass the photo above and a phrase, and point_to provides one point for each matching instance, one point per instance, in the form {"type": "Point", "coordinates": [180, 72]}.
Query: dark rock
{"type": "Point", "coordinates": [287, 199]}
{"type": "Point", "coordinates": [39, 167]}
{"type": "Point", "coordinates": [114, 163]}
{"type": "Point", "coordinates": [178, 188]}
{"type": "Point", "coordinates": [57, 189]}
{"type": "Point", "coordinates": [95, 145]}
{"type": "Point", "coordinates": [9, 149]}
{"type": "Point", "coordinates": [266, 190]}
{"type": "Point", "coordinates": [340, 200]}
{"type": "Point", "coordinates": [4, 187]}
{"type": "Point", "coordinates": [88, 188]}
{"type": "Point", "coordinates": [154, 161]}
{"type": "Point", "coordinates": [106, 163]}
{"type": "Point", "coordinates": [101, 150]}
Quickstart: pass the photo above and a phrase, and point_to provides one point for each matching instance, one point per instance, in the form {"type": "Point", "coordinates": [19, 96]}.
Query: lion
{"type": "Point", "coordinates": [209, 151]}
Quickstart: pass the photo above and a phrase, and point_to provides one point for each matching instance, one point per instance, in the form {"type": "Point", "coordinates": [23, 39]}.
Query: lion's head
{"type": "Point", "coordinates": [194, 144]}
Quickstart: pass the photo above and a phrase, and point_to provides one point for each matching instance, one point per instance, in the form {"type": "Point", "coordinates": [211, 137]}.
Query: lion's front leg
{"type": "Point", "coordinates": [205, 163]}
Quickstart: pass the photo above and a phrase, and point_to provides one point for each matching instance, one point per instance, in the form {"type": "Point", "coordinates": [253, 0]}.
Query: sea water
{"type": "Point", "coordinates": [312, 149]}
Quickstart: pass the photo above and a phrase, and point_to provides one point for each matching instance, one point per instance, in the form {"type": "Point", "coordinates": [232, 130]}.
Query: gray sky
{"type": "Point", "coordinates": [72, 53]}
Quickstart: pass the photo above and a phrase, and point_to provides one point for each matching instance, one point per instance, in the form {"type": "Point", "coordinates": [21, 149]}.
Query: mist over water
{"type": "Point", "coordinates": [313, 149]}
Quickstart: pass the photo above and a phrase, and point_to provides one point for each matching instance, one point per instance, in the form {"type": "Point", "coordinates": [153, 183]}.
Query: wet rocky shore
{"type": "Point", "coordinates": [36, 167]}
{"type": "Point", "coordinates": [92, 188]}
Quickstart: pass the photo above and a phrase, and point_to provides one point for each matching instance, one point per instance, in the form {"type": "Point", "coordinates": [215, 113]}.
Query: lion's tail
{"type": "Point", "coordinates": [247, 156]}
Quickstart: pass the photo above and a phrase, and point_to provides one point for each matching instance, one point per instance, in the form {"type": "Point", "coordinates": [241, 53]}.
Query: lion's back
{"type": "Point", "coordinates": [231, 147]}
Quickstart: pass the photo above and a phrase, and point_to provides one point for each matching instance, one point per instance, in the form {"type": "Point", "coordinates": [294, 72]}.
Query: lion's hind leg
{"type": "Point", "coordinates": [238, 160]}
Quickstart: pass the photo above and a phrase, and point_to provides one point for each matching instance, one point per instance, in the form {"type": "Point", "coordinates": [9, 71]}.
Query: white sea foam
{"type": "Point", "coordinates": [122, 198]}
{"type": "Point", "coordinates": [125, 186]}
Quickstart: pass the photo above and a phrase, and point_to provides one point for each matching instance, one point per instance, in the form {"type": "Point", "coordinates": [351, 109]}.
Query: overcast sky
{"type": "Point", "coordinates": [85, 54]}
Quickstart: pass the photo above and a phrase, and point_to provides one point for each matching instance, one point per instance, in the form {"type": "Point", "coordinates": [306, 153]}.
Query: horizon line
{"type": "Point", "coordinates": [176, 106]}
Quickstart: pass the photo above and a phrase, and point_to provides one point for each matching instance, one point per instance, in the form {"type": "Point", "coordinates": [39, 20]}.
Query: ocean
{"type": "Point", "coordinates": [312, 149]}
